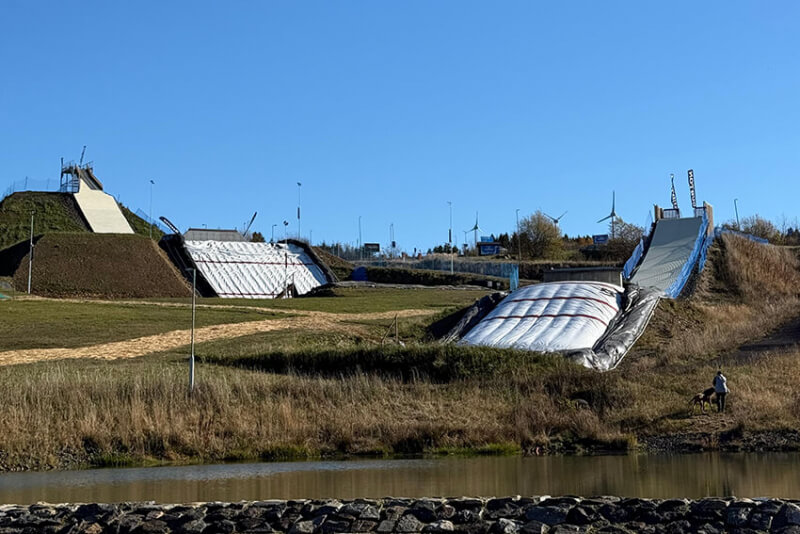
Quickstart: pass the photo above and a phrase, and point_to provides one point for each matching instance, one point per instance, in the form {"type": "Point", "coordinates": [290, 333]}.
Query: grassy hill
{"type": "Point", "coordinates": [94, 265]}
{"type": "Point", "coordinates": [54, 212]}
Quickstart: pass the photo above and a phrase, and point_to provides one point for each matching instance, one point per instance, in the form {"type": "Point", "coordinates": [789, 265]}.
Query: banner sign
{"type": "Point", "coordinates": [372, 247]}
{"type": "Point", "coordinates": [601, 239]}
{"type": "Point", "coordinates": [691, 188]}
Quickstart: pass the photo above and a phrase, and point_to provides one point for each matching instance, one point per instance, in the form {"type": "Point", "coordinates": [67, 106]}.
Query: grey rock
{"type": "Point", "coordinates": [788, 515]}
{"type": "Point", "coordinates": [386, 525]}
{"type": "Point", "coordinates": [303, 527]}
{"type": "Point", "coordinates": [737, 516]}
{"type": "Point", "coordinates": [445, 511]}
{"type": "Point", "coordinates": [408, 523]}
{"type": "Point", "coordinates": [760, 521]}
{"type": "Point", "coordinates": [534, 527]}
{"type": "Point", "coordinates": [360, 525]}
{"type": "Point", "coordinates": [195, 526]}
{"type": "Point", "coordinates": [442, 525]}
{"type": "Point", "coordinates": [154, 526]}
{"type": "Point", "coordinates": [393, 513]}
{"type": "Point", "coordinates": [505, 526]}
{"type": "Point", "coordinates": [549, 515]}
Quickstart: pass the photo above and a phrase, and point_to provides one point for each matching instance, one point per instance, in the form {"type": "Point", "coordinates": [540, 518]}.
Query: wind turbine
{"type": "Point", "coordinates": [555, 219]}
{"type": "Point", "coordinates": [613, 214]}
{"type": "Point", "coordinates": [475, 229]}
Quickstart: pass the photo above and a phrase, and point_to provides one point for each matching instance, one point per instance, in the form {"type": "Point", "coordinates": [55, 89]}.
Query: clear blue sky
{"type": "Point", "coordinates": [389, 109]}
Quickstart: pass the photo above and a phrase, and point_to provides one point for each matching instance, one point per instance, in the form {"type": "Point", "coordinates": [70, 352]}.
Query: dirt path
{"type": "Point", "coordinates": [132, 348]}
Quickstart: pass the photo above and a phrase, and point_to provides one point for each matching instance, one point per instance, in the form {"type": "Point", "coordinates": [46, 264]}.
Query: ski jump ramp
{"type": "Point", "coordinates": [256, 270]}
{"type": "Point", "coordinates": [101, 211]}
{"type": "Point", "coordinates": [596, 323]}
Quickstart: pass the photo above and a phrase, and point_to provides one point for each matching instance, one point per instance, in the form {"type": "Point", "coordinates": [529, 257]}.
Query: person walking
{"type": "Point", "coordinates": [720, 384]}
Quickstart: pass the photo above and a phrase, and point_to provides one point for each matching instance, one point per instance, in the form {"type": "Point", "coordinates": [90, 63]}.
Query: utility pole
{"type": "Point", "coordinates": [298, 209]}
{"type": "Point", "coordinates": [736, 208]}
{"type": "Point", "coordinates": [30, 256]}
{"type": "Point", "coordinates": [191, 356]}
{"type": "Point", "coordinates": [519, 240]}
{"type": "Point", "coordinates": [450, 235]}
{"type": "Point", "coordinates": [150, 216]}
{"type": "Point", "coordinates": [285, 258]}
{"type": "Point", "coordinates": [360, 244]}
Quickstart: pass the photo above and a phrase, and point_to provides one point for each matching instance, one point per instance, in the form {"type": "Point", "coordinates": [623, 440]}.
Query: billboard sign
{"type": "Point", "coordinates": [600, 239]}
{"type": "Point", "coordinates": [372, 248]}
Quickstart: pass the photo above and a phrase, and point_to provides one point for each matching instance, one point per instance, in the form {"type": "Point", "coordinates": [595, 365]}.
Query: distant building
{"type": "Point", "coordinates": [210, 234]}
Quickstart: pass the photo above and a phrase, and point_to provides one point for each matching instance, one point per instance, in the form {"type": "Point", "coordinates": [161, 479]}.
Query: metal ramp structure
{"type": "Point", "coordinates": [99, 209]}
{"type": "Point", "coordinates": [597, 325]}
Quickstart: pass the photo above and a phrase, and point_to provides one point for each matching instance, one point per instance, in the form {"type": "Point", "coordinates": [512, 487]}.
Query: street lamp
{"type": "Point", "coordinates": [519, 240]}
{"type": "Point", "coordinates": [285, 258]}
{"type": "Point", "coordinates": [191, 355]}
{"type": "Point", "coordinates": [360, 244]}
{"type": "Point", "coordinates": [298, 209]}
{"type": "Point", "coordinates": [30, 256]}
{"type": "Point", "coordinates": [150, 216]}
{"type": "Point", "coordinates": [450, 236]}
{"type": "Point", "coordinates": [736, 208]}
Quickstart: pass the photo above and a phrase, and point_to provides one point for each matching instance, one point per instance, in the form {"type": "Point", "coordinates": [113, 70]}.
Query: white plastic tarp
{"type": "Point", "coordinates": [550, 317]}
{"type": "Point", "coordinates": [254, 270]}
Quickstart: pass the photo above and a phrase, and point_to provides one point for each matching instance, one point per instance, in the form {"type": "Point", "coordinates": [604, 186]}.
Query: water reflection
{"type": "Point", "coordinates": [697, 475]}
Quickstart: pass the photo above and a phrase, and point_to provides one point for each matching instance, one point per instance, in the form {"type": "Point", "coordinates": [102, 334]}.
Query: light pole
{"type": "Point", "coordinates": [150, 216]}
{"type": "Point", "coordinates": [30, 256]}
{"type": "Point", "coordinates": [285, 258]}
{"type": "Point", "coordinates": [191, 355]}
{"type": "Point", "coordinates": [360, 244]}
{"type": "Point", "coordinates": [298, 209]}
{"type": "Point", "coordinates": [450, 236]}
{"type": "Point", "coordinates": [519, 240]}
{"type": "Point", "coordinates": [272, 239]}
{"type": "Point", "coordinates": [736, 208]}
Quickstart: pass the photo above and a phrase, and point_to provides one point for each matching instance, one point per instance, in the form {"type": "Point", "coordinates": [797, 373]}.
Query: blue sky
{"type": "Point", "coordinates": [390, 109]}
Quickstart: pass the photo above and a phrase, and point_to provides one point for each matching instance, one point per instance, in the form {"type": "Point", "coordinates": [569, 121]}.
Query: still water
{"type": "Point", "coordinates": [694, 475]}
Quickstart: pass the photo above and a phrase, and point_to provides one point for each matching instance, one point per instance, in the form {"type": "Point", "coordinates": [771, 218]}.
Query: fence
{"type": "Point", "coordinates": [28, 184]}
{"type": "Point", "coordinates": [155, 223]}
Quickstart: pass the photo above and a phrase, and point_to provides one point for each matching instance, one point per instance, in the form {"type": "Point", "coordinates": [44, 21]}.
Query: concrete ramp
{"type": "Point", "coordinates": [671, 249]}
{"type": "Point", "coordinates": [101, 211]}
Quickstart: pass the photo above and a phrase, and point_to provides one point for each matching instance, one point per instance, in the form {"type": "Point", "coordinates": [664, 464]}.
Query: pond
{"type": "Point", "coordinates": [656, 476]}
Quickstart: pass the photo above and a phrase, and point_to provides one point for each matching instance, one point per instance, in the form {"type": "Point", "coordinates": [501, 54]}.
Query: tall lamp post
{"type": "Point", "coordinates": [30, 256]}
{"type": "Point", "coordinates": [298, 209]}
{"type": "Point", "coordinates": [285, 258]}
{"type": "Point", "coordinates": [360, 244]}
{"type": "Point", "coordinates": [150, 216]}
{"type": "Point", "coordinates": [191, 355]}
{"type": "Point", "coordinates": [519, 240]}
{"type": "Point", "coordinates": [736, 208]}
{"type": "Point", "coordinates": [450, 235]}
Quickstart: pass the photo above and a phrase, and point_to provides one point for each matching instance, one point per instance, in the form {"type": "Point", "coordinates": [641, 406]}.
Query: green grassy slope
{"type": "Point", "coordinates": [54, 212]}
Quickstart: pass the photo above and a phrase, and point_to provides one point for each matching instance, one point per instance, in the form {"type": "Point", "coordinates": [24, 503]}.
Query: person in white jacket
{"type": "Point", "coordinates": [720, 384]}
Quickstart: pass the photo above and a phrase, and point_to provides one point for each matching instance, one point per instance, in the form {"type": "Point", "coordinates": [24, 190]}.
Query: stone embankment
{"type": "Point", "coordinates": [470, 515]}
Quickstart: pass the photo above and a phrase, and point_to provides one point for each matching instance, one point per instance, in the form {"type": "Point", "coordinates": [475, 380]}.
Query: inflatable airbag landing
{"type": "Point", "coordinates": [550, 317]}
{"type": "Point", "coordinates": [255, 270]}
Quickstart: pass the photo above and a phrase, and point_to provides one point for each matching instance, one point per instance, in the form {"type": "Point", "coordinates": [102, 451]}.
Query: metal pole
{"type": "Point", "coordinates": [450, 235]}
{"type": "Point", "coordinates": [360, 244]}
{"type": "Point", "coordinates": [736, 207]}
{"type": "Point", "coordinates": [191, 356]}
{"type": "Point", "coordinates": [272, 239]}
{"type": "Point", "coordinates": [519, 240]}
{"type": "Point", "coordinates": [150, 216]}
{"type": "Point", "coordinates": [285, 259]}
{"type": "Point", "coordinates": [30, 256]}
{"type": "Point", "coordinates": [298, 209]}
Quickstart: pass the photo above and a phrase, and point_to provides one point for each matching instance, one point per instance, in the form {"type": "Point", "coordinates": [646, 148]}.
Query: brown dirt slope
{"type": "Point", "coordinates": [100, 265]}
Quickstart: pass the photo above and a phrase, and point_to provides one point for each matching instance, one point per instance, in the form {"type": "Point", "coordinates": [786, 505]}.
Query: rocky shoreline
{"type": "Point", "coordinates": [510, 515]}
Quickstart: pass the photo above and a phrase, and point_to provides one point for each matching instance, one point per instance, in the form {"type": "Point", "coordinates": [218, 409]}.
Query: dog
{"type": "Point", "coordinates": [702, 399]}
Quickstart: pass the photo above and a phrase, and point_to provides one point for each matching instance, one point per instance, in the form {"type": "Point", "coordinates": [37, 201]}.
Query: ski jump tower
{"type": "Point", "coordinates": [100, 210]}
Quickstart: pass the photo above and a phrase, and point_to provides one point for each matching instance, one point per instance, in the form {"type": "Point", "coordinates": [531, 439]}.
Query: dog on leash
{"type": "Point", "coordinates": [702, 399]}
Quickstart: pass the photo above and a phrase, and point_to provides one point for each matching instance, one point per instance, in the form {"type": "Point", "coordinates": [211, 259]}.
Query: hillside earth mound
{"type": "Point", "coordinates": [94, 265]}
{"type": "Point", "coordinates": [53, 212]}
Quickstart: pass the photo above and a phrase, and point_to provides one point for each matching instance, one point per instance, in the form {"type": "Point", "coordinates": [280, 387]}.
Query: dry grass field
{"type": "Point", "coordinates": [331, 388]}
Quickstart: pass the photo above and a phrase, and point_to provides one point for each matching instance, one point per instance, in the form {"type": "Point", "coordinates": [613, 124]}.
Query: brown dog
{"type": "Point", "coordinates": [702, 399]}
